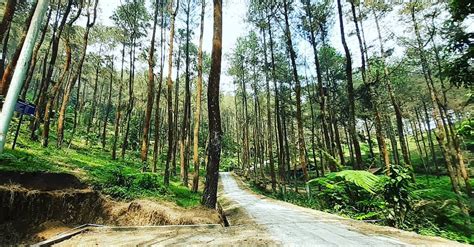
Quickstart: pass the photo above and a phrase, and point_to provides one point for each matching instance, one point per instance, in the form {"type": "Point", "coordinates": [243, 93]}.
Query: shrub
{"type": "Point", "coordinates": [397, 195]}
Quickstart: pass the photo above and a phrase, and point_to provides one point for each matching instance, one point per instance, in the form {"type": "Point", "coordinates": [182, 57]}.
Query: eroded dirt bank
{"type": "Point", "coordinates": [36, 206]}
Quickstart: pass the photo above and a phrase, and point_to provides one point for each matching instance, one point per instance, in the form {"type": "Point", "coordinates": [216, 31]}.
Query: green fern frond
{"type": "Point", "coordinates": [362, 179]}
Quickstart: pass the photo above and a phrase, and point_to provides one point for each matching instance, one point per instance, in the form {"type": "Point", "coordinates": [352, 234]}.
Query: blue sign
{"type": "Point", "coordinates": [25, 108]}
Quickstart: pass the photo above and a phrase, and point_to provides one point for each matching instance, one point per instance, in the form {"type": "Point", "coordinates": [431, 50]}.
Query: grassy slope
{"type": "Point", "coordinates": [121, 179]}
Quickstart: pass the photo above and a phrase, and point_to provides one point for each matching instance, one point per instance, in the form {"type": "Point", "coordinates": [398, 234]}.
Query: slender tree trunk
{"type": "Point", "coordinates": [187, 103]}
{"type": "Point", "coordinates": [76, 109]}
{"type": "Point", "coordinates": [4, 51]}
{"type": "Point", "coordinates": [118, 114]}
{"type": "Point", "coordinates": [176, 112]}
{"type": "Point", "coordinates": [338, 143]}
{"type": "Point", "coordinates": [269, 115]}
{"type": "Point", "coordinates": [8, 73]}
{"type": "Point", "coordinates": [94, 96]}
{"type": "Point", "coordinates": [70, 86]}
{"type": "Point", "coordinates": [158, 120]}
{"type": "Point", "coordinates": [322, 95]}
{"type": "Point", "coordinates": [350, 92]}
{"type": "Point", "coordinates": [55, 90]}
{"type": "Point", "coordinates": [393, 100]}
{"type": "Point", "coordinates": [281, 159]}
{"type": "Point", "coordinates": [109, 104]}
{"type": "Point", "coordinates": [170, 94]}
{"type": "Point", "coordinates": [446, 147]}
{"type": "Point", "coordinates": [313, 128]}
{"type": "Point", "coordinates": [10, 7]}
{"type": "Point", "coordinates": [46, 97]}
{"type": "Point", "coordinates": [369, 140]}
{"type": "Point", "coordinates": [372, 95]}
{"type": "Point", "coordinates": [5, 28]}
{"type": "Point", "coordinates": [151, 91]}
{"type": "Point", "coordinates": [197, 114]}
{"type": "Point", "coordinates": [209, 197]}
{"type": "Point", "coordinates": [57, 87]}
{"type": "Point", "coordinates": [393, 141]}
{"type": "Point", "coordinates": [301, 141]}
{"type": "Point", "coordinates": [246, 151]}
{"type": "Point", "coordinates": [131, 99]}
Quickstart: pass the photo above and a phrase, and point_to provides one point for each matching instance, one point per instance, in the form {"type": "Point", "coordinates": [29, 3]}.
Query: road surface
{"type": "Point", "coordinates": [295, 226]}
{"type": "Point", "coordinates": [258, 221]}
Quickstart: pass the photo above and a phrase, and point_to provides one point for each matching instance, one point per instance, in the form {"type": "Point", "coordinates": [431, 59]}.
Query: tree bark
{"type": "Point", "coordinates": [158, 93]}
{"type": "Point", "coordinates": [176, 111]}
{"type": "Point", "coordinates": [281, 160]}
{"type": "Point", "coordinates": [350, 92]}
{"type": "Point", "coordinates": [322, 96]}
{"type": "Point", "coordinates": [50, 105]}
{"type": "Point", "coordinates": [109, 104]}
{"type": "Point", "coordinates": [453, 158]}
{"type": "Point", "coordinates": [197, 114]}
{"type": "Point", "coordinates": [150, 92]}
{"type": "Point", "coordinates": [269, 115]}
{"type": "Point", "coordinates": [10, 7]}
{"type": "Point", "coordinates": [372, 96]}
{"type": "Point", "coordinates": [393, 100]}
{"type": "Point", "coordinates": [209, 197]}
{"type": "Point", "coordinates": [299, 121]}
{"type": "Point", "coordinates": [170, 94]}
{"type": "Point", "coordinates": [45, 95]}
{"type": "Point", "coordinates": [8, 73]}
{"type": "Point", "coordinates": [118, 114]}
{"type": "Point", "coordinates": [184, 142]}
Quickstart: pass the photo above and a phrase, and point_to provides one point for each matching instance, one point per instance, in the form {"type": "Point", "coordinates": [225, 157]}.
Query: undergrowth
{"type": "Point", "coordinates": [122, 179]}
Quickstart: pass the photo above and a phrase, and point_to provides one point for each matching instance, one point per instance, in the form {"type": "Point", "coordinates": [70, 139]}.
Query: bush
{"type": "Point", "coordinates": [397, 195]}
{"type": "Point", "coordinates": [350, 192]}
{"type": "Point", "coordinates": [123, 183]}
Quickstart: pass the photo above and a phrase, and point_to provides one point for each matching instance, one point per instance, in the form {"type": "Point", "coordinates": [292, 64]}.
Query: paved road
{"type": "Point", "coordinates": [296, 227]}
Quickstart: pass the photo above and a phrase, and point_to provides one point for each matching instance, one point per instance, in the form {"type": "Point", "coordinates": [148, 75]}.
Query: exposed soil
{"type": "Point", "coordinates": [37, 206]}
{"type": "Point", "coordinates": [243, 231]}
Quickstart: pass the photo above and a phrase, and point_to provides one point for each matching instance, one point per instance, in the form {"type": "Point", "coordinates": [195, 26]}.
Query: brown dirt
{"type": "Point", "coordinates": [243, 231]}
{"type": "Point", "coordinates": [202, 235]}
{"type": "Point", "coordinates": [32, 209]}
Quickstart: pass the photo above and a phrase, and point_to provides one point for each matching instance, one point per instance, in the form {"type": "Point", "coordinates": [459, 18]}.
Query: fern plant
{"type": "Point", "coordinates": [351, 192]}
{"type": "Point", "coordinates": [362, 179]}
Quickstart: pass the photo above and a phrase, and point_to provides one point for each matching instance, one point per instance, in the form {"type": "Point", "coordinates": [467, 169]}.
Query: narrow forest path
{"type": "Point", "coordinates": [297, 226]}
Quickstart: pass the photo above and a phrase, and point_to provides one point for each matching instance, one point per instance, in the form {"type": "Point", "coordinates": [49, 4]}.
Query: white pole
{"type": "Point", "coordinates": [20, 71]}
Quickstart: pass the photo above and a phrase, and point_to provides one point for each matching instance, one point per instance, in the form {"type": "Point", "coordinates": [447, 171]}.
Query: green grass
{"type": "Point", "coordinates": [120, 179]}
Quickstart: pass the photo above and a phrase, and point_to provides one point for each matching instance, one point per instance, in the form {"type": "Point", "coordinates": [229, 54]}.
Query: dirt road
{"type": "Point", "coordinates": [291, 225]}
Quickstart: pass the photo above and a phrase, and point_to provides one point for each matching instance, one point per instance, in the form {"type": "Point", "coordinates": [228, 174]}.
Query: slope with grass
{"type": "Point", "coordinates": [62, 188]}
